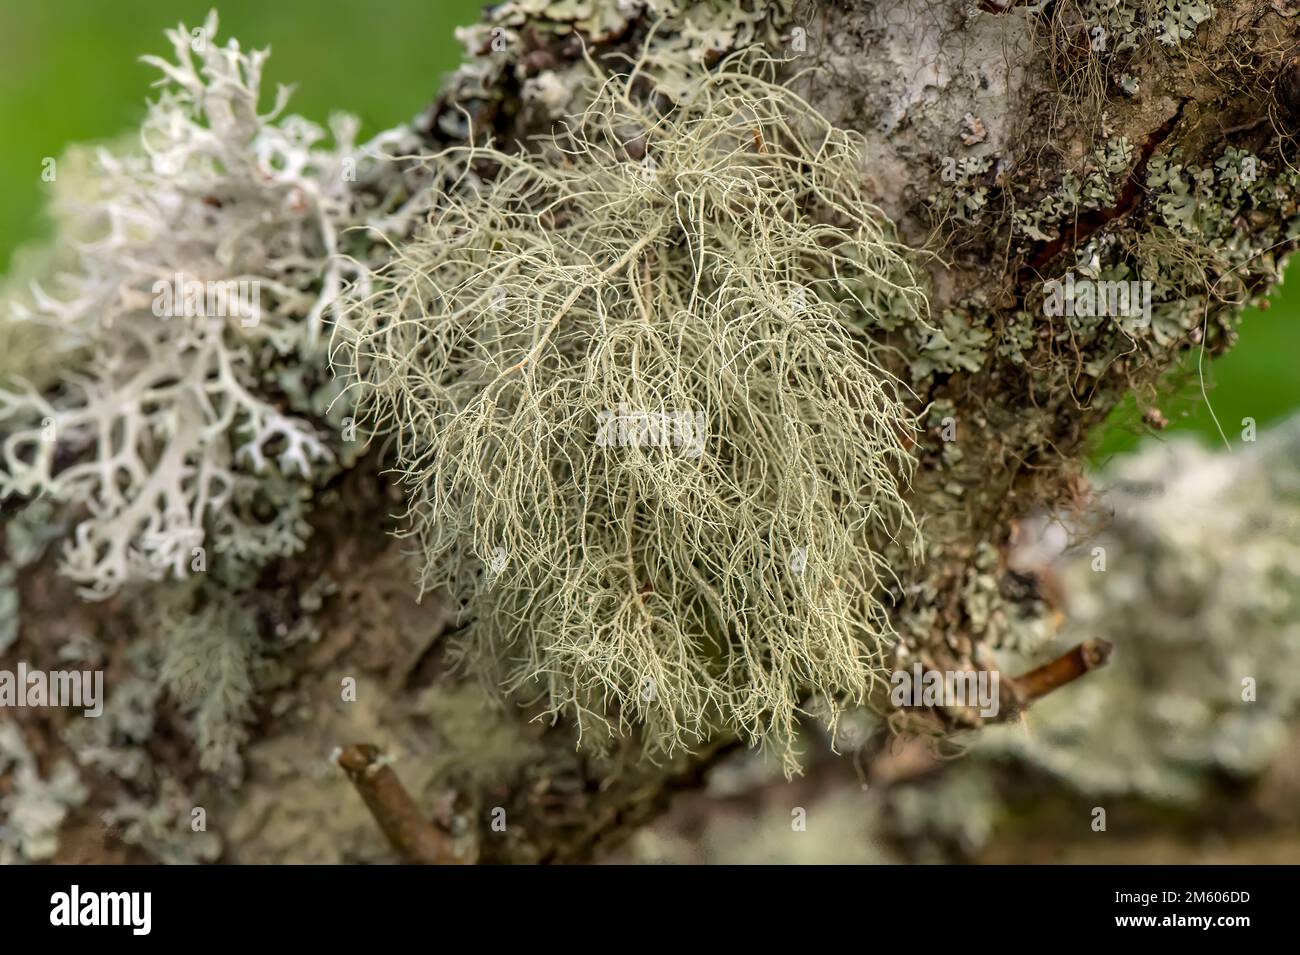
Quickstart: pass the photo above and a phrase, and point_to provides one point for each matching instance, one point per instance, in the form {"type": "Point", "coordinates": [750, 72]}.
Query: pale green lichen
{"type": "Point", "coordinates": [1188, 244]}
{"type": "Point", "coordinates": [965, 191]}
{"type": "Point", "coordinates": [209, 653]}
{"type": "Point", "coordinates": [116, 743]}
{"type": "Point", "coordinates": [1178, 20]}
{"type": "Point", "coordinates": [1201, 264]}
{"type": "Point", "coordinates": [164, 825]}
{"type": "Point", "coordinates": [719, 272]}
{"type": "Point", "coordinates": [1113, 28]}
{"type": "Point", "coordinates": [958, 815]}
{"type": "Point", "coordinates": [683, 37]}
{"type": "Point", "coordinates": [956, 345]}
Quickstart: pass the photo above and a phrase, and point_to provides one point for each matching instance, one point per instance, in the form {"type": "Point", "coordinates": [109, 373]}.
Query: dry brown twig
{"type": "Point", "coordinates": [1065, 669]}
{"type": "Point", "coordinates": [1087, 656]}
{"type": "Point", "coordinates": [415, 838]}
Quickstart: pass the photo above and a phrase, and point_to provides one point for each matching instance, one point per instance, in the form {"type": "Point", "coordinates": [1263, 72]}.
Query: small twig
{"type": "Point", "coordinates": [1242, 127]}
{"type": "Point", "coordinates": [415, 838]}
{"type": "Point", "coordinates": [1001, 6]}
{"type": "Point", "coordinates": [1066, 668]}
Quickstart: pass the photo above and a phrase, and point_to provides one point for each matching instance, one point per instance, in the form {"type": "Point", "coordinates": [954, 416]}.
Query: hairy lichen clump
{"type": "Point", "coordinates": [643, 442]}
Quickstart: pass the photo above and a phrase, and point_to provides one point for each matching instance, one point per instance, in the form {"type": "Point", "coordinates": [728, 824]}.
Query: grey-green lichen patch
{"type": "Point", "coordinates": [1017, 337]}
{"type": "Point", "coordinates": [1097, 70]}
{"type": "Point", "coordinates": [1204, 207]}
{"type": "Point", "coordinates": [965, 192]}
{"type": "Point", "coordinates": [116, 743]}
{"type": "Point", "coordinates": [1196, 244]}
{"type": "Point", "coordinates": [541, 45]}
{"type": "Point", "coordinates": [209, 654]}
{"type": "Point", "coordinates": [1114, 27]}
{"type": "Point", "coordinates": [33, 806]}
{"type": "Point", "coordinates": [1095, 188]}
{"type": "Point", "coordinates": [200, 657]}
{"type": "Point", "coordinates": [957, 816]}
{"type": "Point", "coordinates": [164, 824]}
{"type": "Point", "coordinates": [1105, 45]}
{"type": "Point", "coordinates": [1202, 265]}
{"type": "Point", "coordinates": [1177, 20]}
{"type": "Point", "coordinates": [697, 30]}
{"type": "Point", "coordinates": [959, 343]}
{"type": "Point", "coordinates": [29, 531]}
{"type": "Point", "coordinates": [1187, 694]}
{"type": "Point", "coordinates": [194, 669]}
{"type": "Point", "coordinates": [979, 608]}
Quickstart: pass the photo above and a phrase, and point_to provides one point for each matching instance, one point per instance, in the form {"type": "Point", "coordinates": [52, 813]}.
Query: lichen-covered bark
{"type": "Point", "coordinates": [1010, 145]}
{"type": "Point", "coordinates": [1075, 173]}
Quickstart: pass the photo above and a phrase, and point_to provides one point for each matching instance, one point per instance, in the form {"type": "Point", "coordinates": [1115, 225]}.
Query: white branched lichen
{"type": "Point", "coordinates": [163, 434]}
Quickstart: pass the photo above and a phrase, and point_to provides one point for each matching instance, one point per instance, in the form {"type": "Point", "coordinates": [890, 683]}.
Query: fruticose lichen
{"type": "Point", "coordinates": [699, 263]}
{"type": "Point", "coordinates": [185, 271]}
{"type": "Point", "coordinates": [207, 666]}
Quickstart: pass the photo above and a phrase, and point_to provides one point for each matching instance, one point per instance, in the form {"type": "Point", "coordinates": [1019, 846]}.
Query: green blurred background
{"type": "Point", "coordinates": [69, 73]}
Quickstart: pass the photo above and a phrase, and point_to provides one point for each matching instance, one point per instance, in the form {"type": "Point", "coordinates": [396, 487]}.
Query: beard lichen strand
{"type": "Point", "coordinates": [714, 287]}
